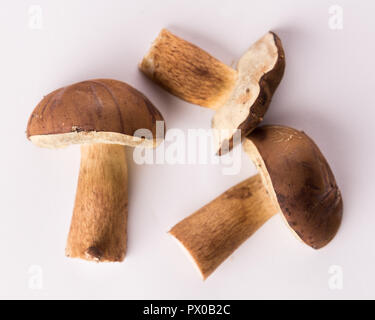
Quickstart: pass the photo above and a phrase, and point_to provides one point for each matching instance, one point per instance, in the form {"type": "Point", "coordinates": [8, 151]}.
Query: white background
{"type": "Point", "coordinates": [328, 91]}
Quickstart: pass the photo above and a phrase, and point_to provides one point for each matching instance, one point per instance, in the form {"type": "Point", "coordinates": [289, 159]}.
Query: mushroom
{"type": "Point", "coordinates": [294, 179]}
{"type": "Point", "coordinates": [240, 97]}
{"type": "Point", "coordinates": [103, 116]}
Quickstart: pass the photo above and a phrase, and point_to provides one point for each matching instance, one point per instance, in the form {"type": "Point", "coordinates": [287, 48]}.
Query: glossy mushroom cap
{"type": "Point", "coordinates": [93, 111]}
{"type": "Point", "coordinates": [299, 181]}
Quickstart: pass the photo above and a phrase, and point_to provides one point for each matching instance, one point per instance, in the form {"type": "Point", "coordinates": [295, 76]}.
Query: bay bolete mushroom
{"type": "Point", "coordinates": [103, 116]}
{"type": "Point", "coordinates": [294, 179]}
{"type": "Point", "coordinates": [240, 97]}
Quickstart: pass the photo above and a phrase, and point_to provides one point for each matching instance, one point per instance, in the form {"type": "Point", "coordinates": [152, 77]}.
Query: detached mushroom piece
{"type": "Point", "coordinates": [102, 115]}
{"type": "Point", "coordinates": [214, 232]}
{"type": "Point", "coordinates": [241, 97]}
{"type": "Point", "coordinates": [294, 179]}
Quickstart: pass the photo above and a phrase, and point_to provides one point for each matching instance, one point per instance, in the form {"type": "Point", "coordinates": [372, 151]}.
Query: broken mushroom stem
{"type": "Point", "coordinates": [98, 227]}
{"type": "Point", "coordinates": [214, 232]}
{"type": "Point", "coordinates": [188, 72]}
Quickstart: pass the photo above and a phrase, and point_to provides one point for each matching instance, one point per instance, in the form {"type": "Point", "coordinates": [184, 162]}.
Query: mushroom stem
{"type": "Point", "coordinates": [188, 72]}
{"type": "Point", "coordinates": [98, 227]}
{"type": "Point", "coordinates": [214, 232]}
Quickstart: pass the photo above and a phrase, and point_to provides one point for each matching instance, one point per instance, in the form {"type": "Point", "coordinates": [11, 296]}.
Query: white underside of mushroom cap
{"type": "Point", "coordinates": [260, 59]}
{"type": "Point", "coordinates": [65, 139]}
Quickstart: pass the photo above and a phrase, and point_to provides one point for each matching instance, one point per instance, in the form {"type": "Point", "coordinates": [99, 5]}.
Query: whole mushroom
{"type": "Point", "coordinates": [103, 116]}
{"type": "Point", "coordinates": [294, 179]}
{"type": "Point", "coordinates": [240, 97]}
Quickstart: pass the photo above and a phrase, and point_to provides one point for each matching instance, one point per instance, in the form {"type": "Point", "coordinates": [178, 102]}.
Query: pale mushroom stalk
{"type": "Point", "coordinates": [188, 72]}
{"type": "Point", "coordinates": [214, 232]}
{"type": "Point", "coordinates": [240, 96]}
{"type": "Point", "coordinates": [99, 222]}
{"type": "Point", "coordinates": [294, 180]}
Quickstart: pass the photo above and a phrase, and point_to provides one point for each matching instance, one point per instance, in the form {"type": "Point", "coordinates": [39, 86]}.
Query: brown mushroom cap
{"type": "Point", "coordinates": [93, 111]}
{"type": "Point", "coordinates": [299, 181]}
